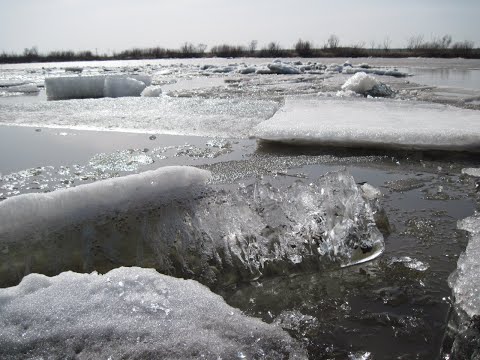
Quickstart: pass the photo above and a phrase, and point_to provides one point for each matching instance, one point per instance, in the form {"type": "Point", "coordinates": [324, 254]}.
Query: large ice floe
{"type": "Point", "coordinates": [130, 313]}
{"type": "Point", "coordinates": [166, 115]}
{"type": "Point", "coordinates": [465, 284]}
{"type": "Point", "coordinates": [84, 87]}
{"type": "Point", "coordinates": [373, 123]}
{"type": "Point", "coordinates": [170, 220]}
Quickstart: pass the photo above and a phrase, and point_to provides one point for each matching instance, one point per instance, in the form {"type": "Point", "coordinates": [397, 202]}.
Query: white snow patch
{"type": "Point", "coordinates": [360, 83]}
{"type": "Point", "coordinates": [130, 313]}
{"type": "Point", "coordinates": [375, 123]}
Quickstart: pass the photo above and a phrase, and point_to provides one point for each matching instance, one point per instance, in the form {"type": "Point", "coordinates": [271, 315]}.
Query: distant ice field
{"type": "Point", "coordinates": [373, 123]}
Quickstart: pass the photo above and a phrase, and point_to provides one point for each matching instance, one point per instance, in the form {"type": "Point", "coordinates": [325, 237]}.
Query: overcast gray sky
{"type": "Point", "coordinates": [122, 24]}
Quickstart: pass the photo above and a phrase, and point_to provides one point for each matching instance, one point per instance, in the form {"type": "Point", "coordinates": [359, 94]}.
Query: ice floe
{"type": "Point", "coordinates": [130, 313]}
{"type": "Point", "coordinates": [373, 123]}
{"type": "Point", "coordinates": [164, 115]}
{"type": "Point", "coordinates": [168, 219]}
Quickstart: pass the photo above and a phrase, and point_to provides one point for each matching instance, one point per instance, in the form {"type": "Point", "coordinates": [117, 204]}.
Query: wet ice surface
{"type": "Point", "coordinates": [390, 307]}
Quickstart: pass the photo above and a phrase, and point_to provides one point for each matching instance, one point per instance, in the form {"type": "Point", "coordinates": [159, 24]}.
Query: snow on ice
{"type": "Point", "coordinates": [169, 220]}
{"type": "Point", "coordinates": [130, 313]}
{"type": "Point", "coordinates": [374, 123]}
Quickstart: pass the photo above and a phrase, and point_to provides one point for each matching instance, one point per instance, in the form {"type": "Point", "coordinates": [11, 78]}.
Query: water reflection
{"type": "Point", "coordinates": [463, 78]}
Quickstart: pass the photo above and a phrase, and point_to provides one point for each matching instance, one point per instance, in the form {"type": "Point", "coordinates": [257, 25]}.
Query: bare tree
{"type": "Point", "coordinates": [333, 41]}
{"type": "Point", "coordinates": [387, 43]}
{"type": "Point", "coordinates": [201, 48]}
{"type": "Point", "coordinates": [252, 46]}
{"type": "Point", "coordinates": [415, 42]}
{"type": "Point", "coordinates": [303, 48]}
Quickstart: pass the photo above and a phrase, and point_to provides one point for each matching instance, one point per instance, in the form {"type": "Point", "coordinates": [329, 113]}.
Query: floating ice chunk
{"type": "Point", "coordinates": [247, 70]}
{"type": "Point", "coordinates": [464, 326]}
{"type": "Point", "coordinates": [84, 87]}
{"type": "Point", "coordinates": [130, 313]}
{"type": "Point", "coordinates": [119, 87]}
{"type": "Point", "coordinates": [360, 83]}
{"type": "Point", "coordinates": [25, 88]}
{"type": "Point", "coordinates": [146, 79]}
{"type": "Point", "coordinates": [475, 172]}
{"type": "Point", "coordinates": [384, 124]}
{"type": "Point", "coordinates": [364, 84]}
{"type": "Point", "coordinates": [78, 87]}
{"type": "Point", "coordinates": [410, 263]}
{"type": "Point", "coordinates": [263, 71]}
{"type": "Point", "coordinates": [168, 220]}
{"type": "Point", "coordinates": [282, 68]}
{"type": "Point", "coordinates": [152, 91]}
{"type": "Point", "coordinates": [465, 281]}
{"type": "Point", "coordinates": [387, 72]}
{"type": "Point", "coordinates": [74, 69]}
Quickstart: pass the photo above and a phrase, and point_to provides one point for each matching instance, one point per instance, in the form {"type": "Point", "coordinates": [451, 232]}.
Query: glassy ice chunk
{"type": "Point", "coordinates": [464, 325]}
{"type": "Point", "coordinates": [130, 313]}
{"type": "Point", "coordinates": [168, 220]}
{"type": "Point", "coordinates": [374, 123]}
{"type": "Point", "coordinates": [465, 281]}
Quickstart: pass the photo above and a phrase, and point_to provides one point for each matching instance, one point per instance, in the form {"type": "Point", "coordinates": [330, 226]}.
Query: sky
{"type": "Point", "coordinates": [114, 25]}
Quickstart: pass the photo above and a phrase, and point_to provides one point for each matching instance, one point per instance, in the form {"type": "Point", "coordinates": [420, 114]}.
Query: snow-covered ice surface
{"type": "Point", "coordinates": [382, 124]}
{"type": "Point", "coordinates": [217, 237]}
{"type": "Point", "coordinates": [130, 313]}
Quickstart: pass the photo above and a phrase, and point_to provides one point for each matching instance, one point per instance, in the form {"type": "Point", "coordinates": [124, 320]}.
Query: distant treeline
{"type": "Point", "coordinates": [416, 47]}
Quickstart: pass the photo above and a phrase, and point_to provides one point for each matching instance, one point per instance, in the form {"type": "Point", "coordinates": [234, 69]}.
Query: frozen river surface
{"type": "Point", "coordinates": [328, 211]}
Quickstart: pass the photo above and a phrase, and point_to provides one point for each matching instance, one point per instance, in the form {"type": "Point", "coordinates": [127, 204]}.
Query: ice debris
{"type": "Point", "coordinates": [130, 313]}
{"type": "Point", "coordinates": [169, 220]}
{"type": "Point", "coordinates": [363, 123]}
